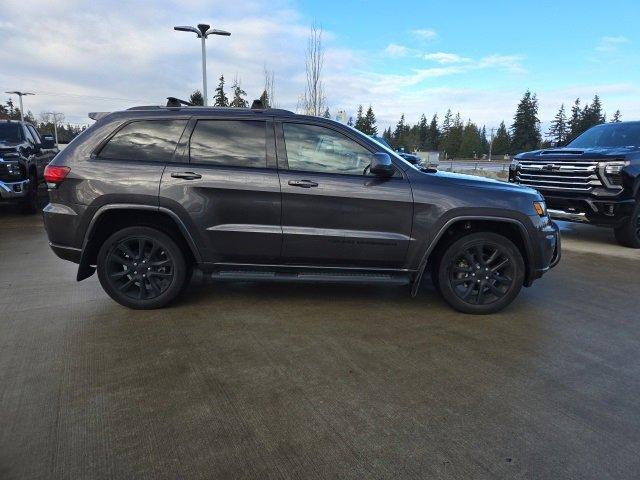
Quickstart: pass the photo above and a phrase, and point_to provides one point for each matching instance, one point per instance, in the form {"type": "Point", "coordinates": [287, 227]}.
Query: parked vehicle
{"type": "Point", "coordinates": [149, 193]}
{"type": "Point", "coordinates": [409, 157]}
{"type": "Point", "coordinates": [23, 157]}
{"type": "Point", "coordinates": [594, 179]}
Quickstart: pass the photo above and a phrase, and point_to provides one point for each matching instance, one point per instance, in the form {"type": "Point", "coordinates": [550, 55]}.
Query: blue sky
{"type": "Point", "coordinates": [402, 57]}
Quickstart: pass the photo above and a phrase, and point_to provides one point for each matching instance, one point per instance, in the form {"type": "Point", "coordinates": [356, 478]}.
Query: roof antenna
{"type": "Point", "coordinates": [176, 102]}
{"type": "Point", "coordinates": [257, 105]}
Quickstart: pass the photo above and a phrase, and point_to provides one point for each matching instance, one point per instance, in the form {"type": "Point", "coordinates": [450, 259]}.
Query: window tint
{"type": "Point", "coordinates": [29, 135]}
{"type": "Point", "coordinates": [311, 148]}
{"type": "Point", "coordinates": [237, 143]}
{"type": "Point", "coordinates": [148, 140]}
{"type": "Point", "coordinates": [34, 133]}
{"type": "Point", "coordinates": [10, 132]}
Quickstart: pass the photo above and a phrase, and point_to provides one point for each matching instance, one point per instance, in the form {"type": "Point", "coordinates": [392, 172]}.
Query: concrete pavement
{"type": "Point", "coordinates": [297, 381]}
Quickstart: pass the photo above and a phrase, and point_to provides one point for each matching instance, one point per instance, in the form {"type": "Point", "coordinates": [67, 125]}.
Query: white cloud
{"type": "Point", "coordinates": [611, 43]}
{"type": "Point", "coordinates": [425, 33]}
{"type": "Point", "coordinates": [395, 50]}
{"type": "Point", "coordinates": [442, 57]}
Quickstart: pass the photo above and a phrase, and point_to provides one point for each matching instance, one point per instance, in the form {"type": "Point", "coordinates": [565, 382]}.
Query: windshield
{"type": "Point", "coordinates": [609, 135]}
{"type": "Point", "coordinates": [10, 132]}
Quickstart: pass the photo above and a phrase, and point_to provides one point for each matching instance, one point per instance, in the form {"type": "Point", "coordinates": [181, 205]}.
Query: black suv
{"type": "Point", "coordinates": [145, 195]}
{"type": "Point", "coordinates": [23, 157]}
{"type": "Point", "coordinates": [595, 179]}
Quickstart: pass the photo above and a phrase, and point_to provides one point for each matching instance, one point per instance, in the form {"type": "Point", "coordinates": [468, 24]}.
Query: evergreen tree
{"type": "Point", "coordinates": [525, 131]}
{"type": "Point", "coordinates": [220, 98]}
{"type": "Point", "coordinates": [388, 136]}
{"type": "Point", "coordinates": [433, 135]}
{"type": "Point", "coordinates": [470, 142]}
{"type": "Point", "coordinates": [400, 133]}
{"type": "Point", "coordinates": [238, 96]}
{"type": "Point", "coordinates": [575, 120]}
{"type": "Point", "coordinates": [451, 135]}
{"type": "Point", "coordinates": [483, 141]}
{"type": "Point", "coordinates": [264, 98]}
{"type": "Point", "coordinates": [423, 133]}
{"type": "Point", "coordinates": [616, 117]}
{"type": "Point", "coordinates": [350, 121]}
{"type": "Point", "coordinates": [196, 98]}
{"type": "Point", "coordinates": [327, 113]}
{"type": "Point", "coordinates": [502, 141]}
{"type": "Point", "coordinates": [559, 129]}
{"type": "Point", "coordinates": [360, 123]}
{"type": "Point", "coordinates": [591, 115]}
{"type": "Point", "coordinates": [370, 122]}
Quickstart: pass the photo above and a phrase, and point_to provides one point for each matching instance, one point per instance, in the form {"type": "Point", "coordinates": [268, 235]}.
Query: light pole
{"type": "Point", "coordinates": [55, 123]}
{"type": "Point", "coordinates": [20, 94]}
{"type": "Point", "coordinates": [203, 31]}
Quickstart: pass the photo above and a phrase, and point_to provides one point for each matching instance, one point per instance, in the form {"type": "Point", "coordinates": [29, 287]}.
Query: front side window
{"type": "Point", "coordinates": [311, 148]}
{"type": "Point", "coordinates": [34, 134]}
{"type": "Point", "coordinates": [229, 143]}
{"type": "Point", "coordinates": [145, 140]}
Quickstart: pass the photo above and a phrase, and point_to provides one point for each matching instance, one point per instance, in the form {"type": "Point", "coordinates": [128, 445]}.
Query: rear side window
{"type": "Point", "coordinates": [235, 143]}
{"type": "Point", "coordinates": [145, 140]}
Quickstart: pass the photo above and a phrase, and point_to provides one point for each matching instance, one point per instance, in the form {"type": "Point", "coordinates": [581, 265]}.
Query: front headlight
{"type": "Point", "coordinates": [613, 168]}
{"type": "Point", "coordinates": [514, 165]}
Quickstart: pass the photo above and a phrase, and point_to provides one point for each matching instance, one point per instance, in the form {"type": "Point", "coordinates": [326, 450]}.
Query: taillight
{"type": "Point", "coordinates": [54, 174]}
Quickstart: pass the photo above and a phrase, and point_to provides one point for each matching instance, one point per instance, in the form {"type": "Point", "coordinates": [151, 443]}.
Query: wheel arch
{"type": "Point", "coordinates": [111, 218]}
{"type": "Point", "coordinates": [459, 226]}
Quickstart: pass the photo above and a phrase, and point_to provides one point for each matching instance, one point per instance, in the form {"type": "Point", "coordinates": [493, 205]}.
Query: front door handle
{"type": "Point", "coordinates": [302, 183]}
{"type": "Point", "coordinates": [186, 175]}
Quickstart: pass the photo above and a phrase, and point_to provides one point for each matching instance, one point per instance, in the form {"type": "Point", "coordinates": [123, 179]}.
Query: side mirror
{"type": "Point", "coordinates": [381, 165]}
{"type": "Point", "coordinates": [48, 142]}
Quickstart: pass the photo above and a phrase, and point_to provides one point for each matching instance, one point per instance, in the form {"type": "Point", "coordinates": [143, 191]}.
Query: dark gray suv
{"type": "Point", "coordinates": [146, 195]}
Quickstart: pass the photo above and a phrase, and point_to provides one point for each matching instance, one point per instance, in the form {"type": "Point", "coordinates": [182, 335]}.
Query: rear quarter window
{"type": "Point", "coordinates": [144, 140]}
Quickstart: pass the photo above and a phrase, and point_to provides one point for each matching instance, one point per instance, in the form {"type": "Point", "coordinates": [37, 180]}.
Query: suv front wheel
{"type": "Point", "coordinates": [480, 273]}
{"type": "Point", "coordinates": [141, 268]}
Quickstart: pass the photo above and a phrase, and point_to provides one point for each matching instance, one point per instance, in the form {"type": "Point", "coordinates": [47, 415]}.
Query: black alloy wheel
{"type": "Point", "coordinates": [628, 234]}
{"type": "Point", "coordinates": [141, 268]}
{"type": "Point", "coordinates": [480, 273]}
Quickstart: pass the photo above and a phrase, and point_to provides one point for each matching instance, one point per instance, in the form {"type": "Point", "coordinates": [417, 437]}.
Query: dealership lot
{"type": "Point", "coordinates": [298, 381]}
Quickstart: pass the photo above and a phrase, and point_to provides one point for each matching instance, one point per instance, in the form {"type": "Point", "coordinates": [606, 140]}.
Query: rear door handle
{"type": "Point", "coordinates": [302, 183]}
{"type": "Point", "coordinates": [186, 175]}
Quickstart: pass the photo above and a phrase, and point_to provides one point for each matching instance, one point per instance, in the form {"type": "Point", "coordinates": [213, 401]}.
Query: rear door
{"type": "Point", "coordinates": [227, 189]}
{"type": "Point", "coordinates": [334, 212]}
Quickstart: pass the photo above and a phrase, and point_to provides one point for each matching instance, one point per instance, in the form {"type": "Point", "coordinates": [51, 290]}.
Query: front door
{"type": "Point", "coordinates": [227, 187]}
{"type": "Point", "coordinates": [334, 212]}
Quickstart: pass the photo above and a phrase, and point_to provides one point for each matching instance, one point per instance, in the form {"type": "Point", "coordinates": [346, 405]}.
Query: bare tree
{"type": "Point", "coordinates": [314, 97]}
{"type": "Point", "coordinates": [270, 86]}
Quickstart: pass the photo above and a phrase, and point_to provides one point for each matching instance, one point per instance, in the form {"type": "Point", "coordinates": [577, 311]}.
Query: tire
{"type": "Point", "coordinates": [628, 234]}
{"type": "Point", "coordinates": [29, 204]}
{"type": "Point", "coordinates": [480, 273]}
{"type": "Point", "coordinates": [141, 268]}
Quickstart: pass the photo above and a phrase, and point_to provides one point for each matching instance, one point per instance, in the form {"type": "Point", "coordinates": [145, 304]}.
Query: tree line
{"type": "Point", "coordinates": [238, 97]}
{"type": "Point", "coordinates": [456, 138]}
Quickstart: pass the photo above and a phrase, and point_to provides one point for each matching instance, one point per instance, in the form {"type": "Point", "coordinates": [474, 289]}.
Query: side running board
{"type": "Point", "coordinates": [312, 277]}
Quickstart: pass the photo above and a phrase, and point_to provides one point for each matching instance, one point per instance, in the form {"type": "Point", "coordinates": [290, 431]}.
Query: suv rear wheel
{"type": "Point", "coordinates": [480, 273]}
{"type": "Point", "coordinates": [141, 268]}
{"type": "Point", "coordinates": [628, 235]}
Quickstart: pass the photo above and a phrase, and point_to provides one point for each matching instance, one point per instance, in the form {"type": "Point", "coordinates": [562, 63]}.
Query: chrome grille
{"type": "Point", "coordinates": [562, 175]}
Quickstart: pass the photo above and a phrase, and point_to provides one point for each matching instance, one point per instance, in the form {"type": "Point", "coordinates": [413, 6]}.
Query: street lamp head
{"type": "Point", "coordinates": [213, 31]}
{"type": "Point", "coordinates": [202, 28]}
{"type": "Point", "coordinates": [188, 29]}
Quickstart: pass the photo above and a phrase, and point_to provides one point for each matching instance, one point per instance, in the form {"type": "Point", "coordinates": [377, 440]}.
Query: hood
{"type": "Point", "coordinates": [575, 153]}
{"type": "Point", "coordinates": [472, 181]}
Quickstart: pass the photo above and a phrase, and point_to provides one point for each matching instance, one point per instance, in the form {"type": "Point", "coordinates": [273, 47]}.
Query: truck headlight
{"type": "Point", "coordinates": [514, 165]}
{"type": "Point", "coordinates": [613, 168]}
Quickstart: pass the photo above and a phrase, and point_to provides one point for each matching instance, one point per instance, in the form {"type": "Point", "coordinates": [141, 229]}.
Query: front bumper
{"type": "Point", "coordinates": [13, 190]}
{"type": "Point", "coordinates": [549, 251]}
{"type": "Point", "coordinates": [588, 210]}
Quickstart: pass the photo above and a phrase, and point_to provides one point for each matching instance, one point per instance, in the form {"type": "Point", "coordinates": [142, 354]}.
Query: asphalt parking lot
{"type": "Point", "coordinates": [296, 381]}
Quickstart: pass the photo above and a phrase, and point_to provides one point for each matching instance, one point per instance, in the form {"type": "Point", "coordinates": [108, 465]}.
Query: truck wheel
{"type": "Point", "coordinates": [29, 204]}
{"type": "Point", "coordinates": [141, 268]}
{"type": "Point", "coordinates": [628, 234]}
{"type": "Point", "coordinates": [480, 273]}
